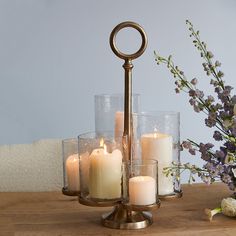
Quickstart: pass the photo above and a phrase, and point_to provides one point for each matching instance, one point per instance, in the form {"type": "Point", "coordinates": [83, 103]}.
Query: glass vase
{"type": "Point", "coordinates": [100, 161]}
{"type": "Point", "coordinates": [142, 182]}
{"type": "Point", "coordinates": [109, 116]}
{"type": "Point", "coordinates": [109, 112]}
{"type": "Point", "coordinates": [159, 139]}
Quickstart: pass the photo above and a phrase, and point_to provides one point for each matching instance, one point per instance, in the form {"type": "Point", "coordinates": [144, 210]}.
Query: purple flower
{"type": "Point", "coordinates": [220, 155]}
{"type": "Point", "coordinates": [226, 178]}
{"type": "Point", "coordinates": [196, 108]}
{"type": "Point", "coordinates": [192, 151]}
{"type": "Point", "coordinates": [223, 97]}
{"type": "Point", "coordinates": [177, 90]}
{"type": "Point", "coordinates": [217, 135]}
{"type": "Point", "coordinates": [206, 179]}
{"type": "Point", "coordinates": [186, 144]}
{"type": "Point", "coordinates": [192, 101]}
{"type": "Point", "coordinates": [194, 81]}
{"type": "Point", "coordinates": [214, 82]}
{"type": "Point", "coordinates": [230, 146]}
{"type": "Point", "coordinates": [220, 169]}
{"type": "Point", "coordinates": [209, 146]}
{"type": "Point", "coordinates": [199, 93]}
{"type": "Point", "coordinates": [206, 156]}
{"type": "Point", "coordinates": [210, 99]}
{"type": "Point", "coordinates": [205, 147]}
{"type": "Point", "coordinates": [210, 122]}
{"type": "Point", "coordinates": [227, 90]}
{"type": "Point", "coordinates": [192, 93]}
{"type": "Point", "coordinates": [218, 89]}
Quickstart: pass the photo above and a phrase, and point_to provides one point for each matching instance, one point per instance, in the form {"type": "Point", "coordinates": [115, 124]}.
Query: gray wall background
{"type": "Point", "coordinates": [55, 56]}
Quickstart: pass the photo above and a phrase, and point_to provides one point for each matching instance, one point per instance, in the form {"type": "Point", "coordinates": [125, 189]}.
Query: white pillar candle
{"type": "Point", "coordinates": [72, 171]}
{"type": "Point", "coordinates": [105, 174]}
{"type": "Point", "coordinates": [119, 124]}
{"type": "Point", "coordinates": [142, 190]}
{"type": "Point", "coordinates": [158, 146]}
{"type": "Point", "coordinates": [119, 129]}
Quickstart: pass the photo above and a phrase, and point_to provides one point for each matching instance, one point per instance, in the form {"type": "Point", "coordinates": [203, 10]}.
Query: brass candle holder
{"type": "Point", "coordinates": [104, 169]}
{"type": "Point", "coordinates": [125, 215]}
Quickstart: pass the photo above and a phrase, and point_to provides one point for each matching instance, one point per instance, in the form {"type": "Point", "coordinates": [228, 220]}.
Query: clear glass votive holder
{"type": "Point", "coordinates": [159, 134]}
{"type": "Point", "coordinates": [142, 184]}
{"type": "Point", "coordinates": [71, 181]}
{"type": "Point", "coordinates": [100, 161]}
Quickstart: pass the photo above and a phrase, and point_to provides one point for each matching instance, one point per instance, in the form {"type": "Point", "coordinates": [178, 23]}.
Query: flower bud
{"type": "Point", "coordinates": [228, 206]}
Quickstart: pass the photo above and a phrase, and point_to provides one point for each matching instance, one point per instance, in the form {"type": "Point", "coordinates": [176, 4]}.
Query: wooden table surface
{"type": "Point", "coordinates": [51, 213]}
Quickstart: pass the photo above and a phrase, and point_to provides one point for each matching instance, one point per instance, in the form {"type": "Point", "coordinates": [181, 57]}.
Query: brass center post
{"type": "Point", "coordinates": [128, 66]}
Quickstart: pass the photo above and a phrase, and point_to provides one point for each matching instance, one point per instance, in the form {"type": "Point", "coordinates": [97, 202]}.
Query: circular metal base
{"type": "Point", "coordinates": [67, 192]}
{"type": "Point", "coordinates": [177, 194]}
{"type": "Point", "coordinates": [122, 218]}
{"type": "Point", "coordinates": [98, 202]}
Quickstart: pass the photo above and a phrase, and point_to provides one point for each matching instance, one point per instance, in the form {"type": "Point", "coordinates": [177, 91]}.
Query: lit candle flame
{"type": "Point", "coordinates": [101, 142]}
{"type": "Point", "coordinates": [103, 145]}
{"type": "Point", "coordinates": [155, 133]}
{"type": "Point", "coordinates": [105, 148]}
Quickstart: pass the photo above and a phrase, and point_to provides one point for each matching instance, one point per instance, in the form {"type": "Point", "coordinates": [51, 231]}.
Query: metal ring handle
{"type": "Point", "coordinates": [113, 40]}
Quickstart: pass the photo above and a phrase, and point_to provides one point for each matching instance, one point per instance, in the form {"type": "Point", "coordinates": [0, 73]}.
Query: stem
{"type": "Point", "coordinates": [211, 213]}
{"type": "Point", "coordinates": [208, 60]}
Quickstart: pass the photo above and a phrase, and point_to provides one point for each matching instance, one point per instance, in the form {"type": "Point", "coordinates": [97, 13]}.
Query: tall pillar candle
{"type": "Point", "coordinates": [105, 174]}
{"type": "Point", "coordinates": [72, 171]}
{"type": "Point", "coordinates": [158, 146]}
{"type": "Point", "coordinates": [119, 124]}
{"type": "Point", "coordinates": [119, 129]}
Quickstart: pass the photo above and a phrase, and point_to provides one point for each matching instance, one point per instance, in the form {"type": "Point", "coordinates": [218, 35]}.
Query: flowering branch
{"type": "Point", "coordinates": [220, 112]}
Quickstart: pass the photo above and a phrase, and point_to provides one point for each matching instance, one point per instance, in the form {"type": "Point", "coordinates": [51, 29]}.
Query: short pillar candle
{"type": "Point", "coordinates": [142, 190]}
{"type": "Point", "coordinates": [72, 171]}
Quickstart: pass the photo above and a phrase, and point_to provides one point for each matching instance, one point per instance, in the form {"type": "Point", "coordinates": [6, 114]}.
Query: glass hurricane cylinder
{"type": "Point", "coordinates": [71, 180]}
{"type": "Point", "coordinates": [109, 116]}
{"type": "Point", "coordinates": [159, 137]}
{"type": "Point", "coordinates": [100, 161]}
{"type": "Point", "coordinates": [109, 112]}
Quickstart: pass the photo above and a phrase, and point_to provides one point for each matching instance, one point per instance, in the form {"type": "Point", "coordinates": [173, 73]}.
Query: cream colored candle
{"type": "Point", "coordinates": [119, 124]}
{"type": "Point", "coordinates": [84, 174]}
{"type": "Point", "coordinates": [158, 146]}
{"type": "Point", "coordinates": [119, 128]}
{"type": "Point", "coordinates": [72, 171]}
{"type": "Point", "coordinates": [142, 190]}
{"type": "Point", "coordinates": [105, 174]}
